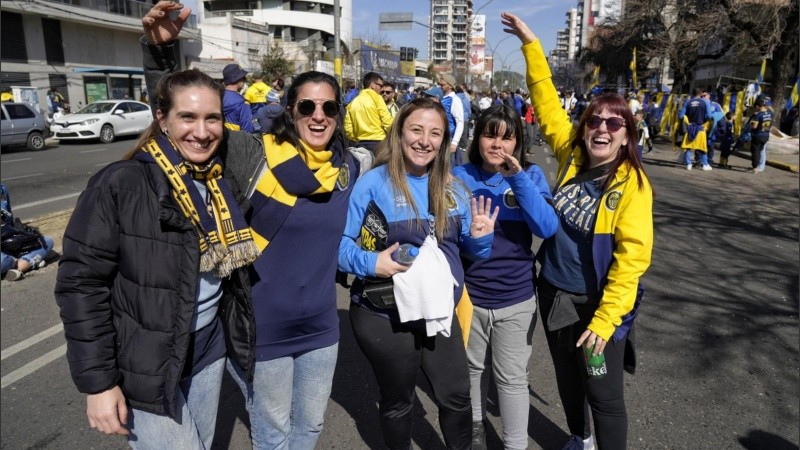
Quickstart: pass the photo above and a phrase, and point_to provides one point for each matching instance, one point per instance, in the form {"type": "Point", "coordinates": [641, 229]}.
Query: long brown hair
{"type": "Point", "coordinates": [390, 153]}
{"type": "Point", "coordinates": [618, 106]}
{"type": "Point", "coordinates": [167, 88]}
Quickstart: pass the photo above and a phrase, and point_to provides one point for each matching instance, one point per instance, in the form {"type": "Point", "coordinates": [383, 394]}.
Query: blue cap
{"type": "Point", "coordinates": [435, 91]}
{"type": "Point", "coordinates": [413, 251]}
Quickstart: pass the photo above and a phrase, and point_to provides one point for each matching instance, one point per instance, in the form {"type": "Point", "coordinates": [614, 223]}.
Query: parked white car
{"type": "Point", "coordinates": [103, 120]}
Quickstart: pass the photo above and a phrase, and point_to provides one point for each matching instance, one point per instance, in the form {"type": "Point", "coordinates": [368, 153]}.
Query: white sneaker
{"type": "Point", "coordinates": [688, 167]}
{"type": "Point", "coordinates": [707, 167]}
{"type": "Point", "coordinates": [14, 275]}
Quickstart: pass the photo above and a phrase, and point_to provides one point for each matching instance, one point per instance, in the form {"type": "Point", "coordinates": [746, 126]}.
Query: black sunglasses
{"type": "Point", "coordinates": [307, 107]}
{"type": "Point", "coordinates": [386, 92]}
{"type": "Point", "coordinates": [613, 124]}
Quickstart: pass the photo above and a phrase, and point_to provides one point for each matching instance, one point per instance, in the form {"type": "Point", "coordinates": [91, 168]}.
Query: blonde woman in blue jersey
{"type": "Point", "coordinates": [409, 197]}
{"type": "Point", "coordinates": [502, 287]}
{"type": "Point", "coordinates": [588, 287]}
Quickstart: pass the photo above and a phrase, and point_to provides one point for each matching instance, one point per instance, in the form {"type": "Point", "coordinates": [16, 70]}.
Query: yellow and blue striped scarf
{"type": "Point", "coordinates": [226, 242]}
{"type": "Point", "coordinates": [289, 175]}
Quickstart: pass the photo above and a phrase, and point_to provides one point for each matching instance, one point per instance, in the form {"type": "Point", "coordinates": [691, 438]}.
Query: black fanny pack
{"type": "Point", "coordinates": [377, 292]}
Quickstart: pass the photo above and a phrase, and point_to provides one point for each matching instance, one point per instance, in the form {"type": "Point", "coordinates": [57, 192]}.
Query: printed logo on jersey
{"type": "Point", "coordinates": [509, 199]}
{"type": "Point", "coordinates": [450, 200]}
{"type": "Point", "coordinates": [613, 200]}
{"type": "Point", "coordinates": [577, 208]}
{"type": "Point", "coordinates": [400, 202]}
{"type": "Point", "coordinates": [344, 177]}
{"type": "Point", "coordinates": [374, 229]}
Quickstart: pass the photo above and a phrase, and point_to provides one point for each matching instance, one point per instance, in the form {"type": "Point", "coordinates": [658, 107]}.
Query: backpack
{"type": "Point", "coordinates": [19, 239]}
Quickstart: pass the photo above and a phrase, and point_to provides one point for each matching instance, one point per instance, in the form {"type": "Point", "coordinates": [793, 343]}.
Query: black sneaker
{"type": "Point", "coordinates": [478, 436]}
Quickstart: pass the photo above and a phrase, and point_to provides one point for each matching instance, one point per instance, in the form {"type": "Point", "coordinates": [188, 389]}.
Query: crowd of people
{"type": "Point", "coordinates": [216, 243]}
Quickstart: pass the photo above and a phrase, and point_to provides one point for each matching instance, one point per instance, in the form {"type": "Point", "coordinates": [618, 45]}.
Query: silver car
{"type": "Point", "coordinates": [22, 125]}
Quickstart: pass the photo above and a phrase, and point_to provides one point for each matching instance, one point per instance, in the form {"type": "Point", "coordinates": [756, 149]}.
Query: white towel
{"type": "Point", "coordinates": [425, 290]}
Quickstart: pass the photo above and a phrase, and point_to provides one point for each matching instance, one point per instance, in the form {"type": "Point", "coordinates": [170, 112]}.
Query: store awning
{"type": "Point", "coordinates": [111, 70]}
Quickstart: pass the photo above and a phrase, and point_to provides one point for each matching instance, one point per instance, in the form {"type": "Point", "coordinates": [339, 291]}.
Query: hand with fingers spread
{"type": "Point", "coordinates": [482, 220]}
{"type": "Point", "coordinates": [107, 411]}
{"type": "Point", "coordinates": [514, 25]}
{"type": "Point", "coordinates": [386, 266]}
{"type": "Point", "coordinates": [159, 28]}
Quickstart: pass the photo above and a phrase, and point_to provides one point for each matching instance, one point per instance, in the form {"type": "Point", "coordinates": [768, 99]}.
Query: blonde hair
{"type": "Point", "coordinates": [440, 182]}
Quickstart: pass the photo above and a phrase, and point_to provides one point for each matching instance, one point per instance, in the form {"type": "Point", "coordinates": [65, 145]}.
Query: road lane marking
{"type": "Point", "coordinates": [49, 200]}
{"type": "Point", "coordinates": [23, 176]}
{"type": "Point", "coordinates": [33, 366]}
{"type": "Point", "coordinates": [16, 348]}
{"type": "Point", "coordinates": [95, 150]}
{"type": "Point", "coordinates": [16, 160]}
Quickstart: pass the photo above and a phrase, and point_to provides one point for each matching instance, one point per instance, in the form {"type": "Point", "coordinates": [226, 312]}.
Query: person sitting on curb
{"type": "Point", "coordinates": [30, 253]}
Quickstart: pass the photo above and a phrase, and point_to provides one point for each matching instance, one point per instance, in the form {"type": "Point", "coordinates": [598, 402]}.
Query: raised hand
{"type": "Point", "coordinates": [482, 221]}
{"type": "Point", "coordinates": [514, 25]}
{"type": "Point", "coordinates": [510, 165]}
{"type": "Point", "coordinates": [159, 28]}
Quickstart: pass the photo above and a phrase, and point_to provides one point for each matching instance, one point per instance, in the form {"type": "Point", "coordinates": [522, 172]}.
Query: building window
{"type": "Point", "coordinates": [8, 79]}
{"type": "Point", "coordinates": [12, 43]}
{"type": "Point", "coordinates": [53, 43]}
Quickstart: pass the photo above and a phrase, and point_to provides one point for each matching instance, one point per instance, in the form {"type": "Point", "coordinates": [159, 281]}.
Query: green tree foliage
{"type": "Point", "coordinates": [274, 63]}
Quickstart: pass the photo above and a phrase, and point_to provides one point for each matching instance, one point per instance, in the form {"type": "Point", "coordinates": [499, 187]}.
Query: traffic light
{"type": "Point", "coordinates": [416, 52]}
{"type": "Point", "coordinates": [404, 53]}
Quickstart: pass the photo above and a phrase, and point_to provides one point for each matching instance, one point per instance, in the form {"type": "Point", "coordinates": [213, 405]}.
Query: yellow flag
{"type": "Point", "coordinates": [633, 69]}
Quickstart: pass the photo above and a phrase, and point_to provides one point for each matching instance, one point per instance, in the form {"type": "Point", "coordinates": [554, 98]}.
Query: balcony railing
{"type": "Point", "coordinates": [129, 8]}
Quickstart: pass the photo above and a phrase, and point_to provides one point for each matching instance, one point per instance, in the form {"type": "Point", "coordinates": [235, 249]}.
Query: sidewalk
{"type": "Point", "coordinates": [781, 154]}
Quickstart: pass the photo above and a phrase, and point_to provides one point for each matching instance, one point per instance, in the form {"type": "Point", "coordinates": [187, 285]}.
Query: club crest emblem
{"type": "Point", "coordinates": [509, 199]}
{"type": "Point", "coordinates": [613, 200]}
{"type": "Point", "coordinates": [344, 177]}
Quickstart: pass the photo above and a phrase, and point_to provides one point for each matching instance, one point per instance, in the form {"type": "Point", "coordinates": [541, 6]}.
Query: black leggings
{"type": "Point", "coordinates": [578, 392]}
{"type": "Point", "coordinates": [396, 353]}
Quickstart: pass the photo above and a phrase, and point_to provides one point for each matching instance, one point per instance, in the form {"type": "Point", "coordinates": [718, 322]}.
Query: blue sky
{"type": "Point", "coordinates": [545, 17]}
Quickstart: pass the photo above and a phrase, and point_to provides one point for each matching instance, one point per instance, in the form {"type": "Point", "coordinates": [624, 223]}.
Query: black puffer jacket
{"type": "Point", "coordinates": [127, 285]}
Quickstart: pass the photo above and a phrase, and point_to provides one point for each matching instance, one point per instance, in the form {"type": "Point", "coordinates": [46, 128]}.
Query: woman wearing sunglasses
{"type": "Point", "coordinates": [588, 286]}
{"type": "Point", "coordinates": [298, 201]}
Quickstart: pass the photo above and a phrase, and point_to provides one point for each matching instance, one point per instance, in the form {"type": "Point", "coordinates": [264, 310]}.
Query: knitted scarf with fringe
{"type": "Point", "coordinates": [226, 242]}
{"type": "Point", "coordinates": [289, 175]}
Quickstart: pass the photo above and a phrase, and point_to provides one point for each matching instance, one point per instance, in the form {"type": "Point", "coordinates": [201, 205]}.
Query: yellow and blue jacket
{"type": "Point", "coordinates": [622, 240]}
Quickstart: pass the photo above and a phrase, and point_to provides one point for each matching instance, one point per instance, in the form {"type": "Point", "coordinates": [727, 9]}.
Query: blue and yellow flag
{"type": "Point", "coordinates": [761, 73]}
{"type": "Point", "coordinates": [794, 98]}
{"type": "Point", "coordinates": [633, 69]}
{"type": "Point", "coordinates": [595, 78]}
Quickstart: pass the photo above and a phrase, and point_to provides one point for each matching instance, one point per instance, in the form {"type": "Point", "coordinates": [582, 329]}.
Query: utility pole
{"type": "Point", "coordinates": [337, 49]}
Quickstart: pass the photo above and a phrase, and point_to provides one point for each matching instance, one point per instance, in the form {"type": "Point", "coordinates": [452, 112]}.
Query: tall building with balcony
{"type": "Point", "coordinates": [449, 32]}
{"type": "Point", "coordinates": [243, 30]}
{"type": "Point", "coordinates": [87, 49]}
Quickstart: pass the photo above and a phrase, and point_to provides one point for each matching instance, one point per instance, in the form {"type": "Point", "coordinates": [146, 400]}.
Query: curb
{"type": "Point", "coordinates": [47, 218]}
{"type": "Point", "coordinates": [777, 164]}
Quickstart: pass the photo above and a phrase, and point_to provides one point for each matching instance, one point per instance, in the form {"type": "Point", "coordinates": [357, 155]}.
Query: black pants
{"type": "Point", "coordinates": [578, 392]}
{"type": "Point", "coordinates": [396, 353]}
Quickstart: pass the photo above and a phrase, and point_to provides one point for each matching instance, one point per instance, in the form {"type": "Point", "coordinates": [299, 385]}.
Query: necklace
{"type": "Point", "coordinates": [486, 182]}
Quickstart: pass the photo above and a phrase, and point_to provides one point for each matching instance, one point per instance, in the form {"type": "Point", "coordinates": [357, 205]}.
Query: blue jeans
{"type": "Point", "coordinates": [9, 262]}
{"type": "Point", "coordinates": [287, 398]}
{"type": "Point", "coordinates": [198, 399]}
{"type": "Point", "coordinates": [687, 157]}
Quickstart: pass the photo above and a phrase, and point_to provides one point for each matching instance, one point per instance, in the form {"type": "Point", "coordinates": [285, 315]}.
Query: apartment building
{"type": "Point", "coordinates": [243, 30]}
{"type": "Point", "coordinates": [449, 31]}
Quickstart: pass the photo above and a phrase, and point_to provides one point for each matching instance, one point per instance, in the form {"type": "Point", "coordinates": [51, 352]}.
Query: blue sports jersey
{"type": "Point", "coordinates": [405, 227]}
{"type": "Point", "coordinates": [507, 277]}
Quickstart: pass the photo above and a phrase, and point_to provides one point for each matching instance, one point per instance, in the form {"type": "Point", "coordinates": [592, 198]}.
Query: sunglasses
{"type": "Point", "coordinates": [307, 107]}
{"type": "Point", "coordinates": [613, 124]}
{"type": "Point", "coordinates": [387, 92]}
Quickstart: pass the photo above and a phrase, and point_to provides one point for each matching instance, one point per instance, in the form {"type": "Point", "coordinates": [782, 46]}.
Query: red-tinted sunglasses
{"type": "Point", "coordinates": [613, 124]}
